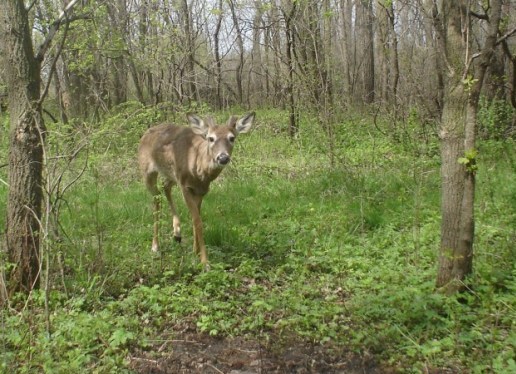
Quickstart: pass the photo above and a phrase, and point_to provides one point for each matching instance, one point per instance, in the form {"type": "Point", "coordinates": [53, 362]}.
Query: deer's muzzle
{"type": "Point", "coordinates": [223, 159]}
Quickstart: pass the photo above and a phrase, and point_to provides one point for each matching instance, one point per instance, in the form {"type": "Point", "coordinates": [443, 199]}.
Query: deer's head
{"type": "Point", "coordinates": [220, 138]}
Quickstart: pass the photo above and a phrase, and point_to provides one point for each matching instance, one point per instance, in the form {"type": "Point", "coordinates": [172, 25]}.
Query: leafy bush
{"type": "Point", "coordinates": [495, 119]}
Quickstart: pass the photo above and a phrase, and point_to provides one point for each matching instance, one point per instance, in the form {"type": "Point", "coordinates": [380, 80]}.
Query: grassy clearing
{"type": "Point", "coordinates": [342, 254]}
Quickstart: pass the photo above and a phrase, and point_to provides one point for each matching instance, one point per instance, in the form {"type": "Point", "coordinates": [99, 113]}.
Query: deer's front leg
{"type": "Point", "coordinates": [155, 240]}
{"type": "Point", "coordinates": [151, 183]}
{"type": "Point", "coordinates": [175, 217]}
{"type": "Point", "coordinates": [194, 202]}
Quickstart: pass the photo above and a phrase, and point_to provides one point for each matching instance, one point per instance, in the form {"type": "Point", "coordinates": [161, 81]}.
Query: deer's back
{"type": "Point", "coordinates": [166, 149]}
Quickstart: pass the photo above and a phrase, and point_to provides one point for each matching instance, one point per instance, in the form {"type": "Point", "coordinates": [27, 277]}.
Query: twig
{"type": "Point", "coordinates": [155, 362]}
{"type": "Point", "coordinates": [214, 368]}
{"type": "Point", "coordinates": [31, 5]}
{"type": "Point", "coordinates": [376, 124]}
{"type": "Point", "coordinates": [53, 30]}
{"type": "Point", "coordinates": [505, 36]}
{"type": "Point", "coordinates": [53, 65]}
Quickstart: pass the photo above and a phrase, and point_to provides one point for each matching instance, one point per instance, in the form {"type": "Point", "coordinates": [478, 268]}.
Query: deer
{"type": "Point", "coordinates": [190, 157]}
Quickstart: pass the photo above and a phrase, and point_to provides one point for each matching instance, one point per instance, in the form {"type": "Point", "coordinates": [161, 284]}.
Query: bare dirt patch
{"type": "Point", "coordinates": [201, 353]}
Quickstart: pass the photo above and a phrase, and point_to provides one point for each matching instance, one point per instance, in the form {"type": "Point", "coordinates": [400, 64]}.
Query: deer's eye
{"type": "Point", "coordinates": [231, 138]}
{"type": "Point", "coordinates": [211, 139]}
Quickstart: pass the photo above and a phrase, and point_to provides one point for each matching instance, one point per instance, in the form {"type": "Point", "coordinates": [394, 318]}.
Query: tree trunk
{"type": "Point", "coordinates": [189, 73]}
{"type": "Point", "coordinates": [366, 44]}
{"type": "Point", "coordinates": [75, 88]}
{"type": "Point", "coordinates": [347, 12]}
{"type": "Point", "coordinates": [293, 127]}
{"type": "Point", "coordinates": [218, 60]}
{"type": "Point", "coordinates": [26, 141]}
{"type": "Point", "coordinates": [276, 45]}
{"type": "Point", "coordinates": [240, 44]}
{"type": "Point", "coordinates": [61, 97]}
{"type": "Point", "coordinates": [255, 81]}
{"type": "Point", "coordinates": [136, 79]}
{"type": "Point", "coordinates": [118, 18]}
{"type": "Point", "coordinates": [393, 56]}
{"type": "Point", "coordinates": [434, 34]}
{"type": "Point", "coordinates": [458, 146]}
{"type": "Point", "coordinates": [25, 149]}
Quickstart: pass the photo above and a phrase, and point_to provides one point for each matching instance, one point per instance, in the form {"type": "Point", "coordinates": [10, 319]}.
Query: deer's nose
{"type": "Point", "coordinates": [223, 159]}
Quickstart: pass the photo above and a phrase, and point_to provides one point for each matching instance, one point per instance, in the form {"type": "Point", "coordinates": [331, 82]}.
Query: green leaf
{"type": "Point", "coordinates": [120, 337]}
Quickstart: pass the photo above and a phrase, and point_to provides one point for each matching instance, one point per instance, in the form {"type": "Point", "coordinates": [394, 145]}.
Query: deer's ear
{"type": "Point", "coordinates": [232, 121]}
{"type": "Point", "coordinates": [198, 125]}
{"type": "Point", "coordinates": [244, 124]}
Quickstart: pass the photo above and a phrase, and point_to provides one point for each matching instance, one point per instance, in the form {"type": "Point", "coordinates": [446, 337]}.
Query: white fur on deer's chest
{"type": "Point", "coordinates": [204, 170]}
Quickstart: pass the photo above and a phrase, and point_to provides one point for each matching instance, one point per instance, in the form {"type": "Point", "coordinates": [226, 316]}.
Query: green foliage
{"type": "Point", "coordinates": [339, 254]}
{"type": "Point", "coordinates": [469, 160]}
{"type": "Point", "coordinates": [469, 82]}
{"type": "Point", "coordinates": [495, 118]}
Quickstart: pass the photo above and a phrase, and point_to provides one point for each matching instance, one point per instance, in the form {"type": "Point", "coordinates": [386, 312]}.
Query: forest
{"type": "Point", "coordinates": [364, 221]}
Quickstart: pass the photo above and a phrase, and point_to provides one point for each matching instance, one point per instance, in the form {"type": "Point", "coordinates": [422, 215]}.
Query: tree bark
{"type": "Point", "coordinates": [348, 59]}
{"type": "Point", "coordinates": [458, 144]}
{"type": "Point", "coordinates": [118, 18]}
{"type": "Point", "coordinates": [366, 44]}
{"type": "Point", "coordinates": [393, 56]}
{"type": "Point", "coordinates": [26, 141]}
{"type": "Point", "coordinates": [25, 149]}
{"type": "Point", "coordinates": [191, 86]}
{"type": "Point", "coordinates": [289, 48]}
{"type": "Point", "coordinates": [240, 44]}
{"type": "Point", "coordinates": [255, 82]}
{"type": "Point", "coordinates": [218, 60]}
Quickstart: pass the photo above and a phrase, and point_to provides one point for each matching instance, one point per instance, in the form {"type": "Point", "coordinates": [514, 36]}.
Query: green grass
{"type": "Point", "coordinates": [344, 254]}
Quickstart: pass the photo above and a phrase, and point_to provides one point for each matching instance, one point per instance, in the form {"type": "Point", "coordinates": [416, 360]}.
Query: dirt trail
{"type": "Point", "coordinates": [200, 353]}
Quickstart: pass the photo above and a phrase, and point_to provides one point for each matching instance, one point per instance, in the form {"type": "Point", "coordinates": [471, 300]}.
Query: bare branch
{"type": "Point", "coordinates": [506, 36]}
{"type": "Point", "coordinates": [31, 5]}
{"type": "Point", "coordinates": [53, 30]}
{"type": "Point", "coordinates": [478, 15]}
{"type": "Point", "coordinates": [53, 66]}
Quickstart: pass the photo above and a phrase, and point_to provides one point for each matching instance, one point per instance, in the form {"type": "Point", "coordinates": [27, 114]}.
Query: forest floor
{"type": "Point", "coordinates": [192, 352]}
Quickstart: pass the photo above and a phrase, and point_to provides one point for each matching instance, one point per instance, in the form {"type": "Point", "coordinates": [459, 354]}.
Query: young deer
{"type": "Point", "coordinates": [191, 157]}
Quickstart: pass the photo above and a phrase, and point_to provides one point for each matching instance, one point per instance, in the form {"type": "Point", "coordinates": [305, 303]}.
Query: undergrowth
{"type": "Point", "coordinates": [342, 254]}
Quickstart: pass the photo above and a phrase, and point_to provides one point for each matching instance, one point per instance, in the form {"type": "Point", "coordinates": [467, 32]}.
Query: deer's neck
{"type": "Point", "coordinates": [206, 168]}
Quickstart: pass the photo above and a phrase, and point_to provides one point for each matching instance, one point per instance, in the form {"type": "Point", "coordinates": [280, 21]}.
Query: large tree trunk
{"type": "Point", "coordinates": [27, 135]}
{"type": "Point", "coordinates": [453, 174]}
{"type": "Point", "coordinates": [458, 146]}
{"type": "Point", "coordinates": [26, 149]}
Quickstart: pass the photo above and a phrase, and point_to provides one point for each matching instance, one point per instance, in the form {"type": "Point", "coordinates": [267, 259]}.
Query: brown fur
{"type": "Point", "coordinates": [190, 157]}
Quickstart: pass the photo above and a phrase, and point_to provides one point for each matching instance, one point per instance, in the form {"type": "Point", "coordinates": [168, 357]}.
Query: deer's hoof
{"type": "Point", "coordinates": [177, 239]}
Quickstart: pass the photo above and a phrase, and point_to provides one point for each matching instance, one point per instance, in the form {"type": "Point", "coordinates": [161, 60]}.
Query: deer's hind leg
{"type": "Point", "coordinates": [176, 225]}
